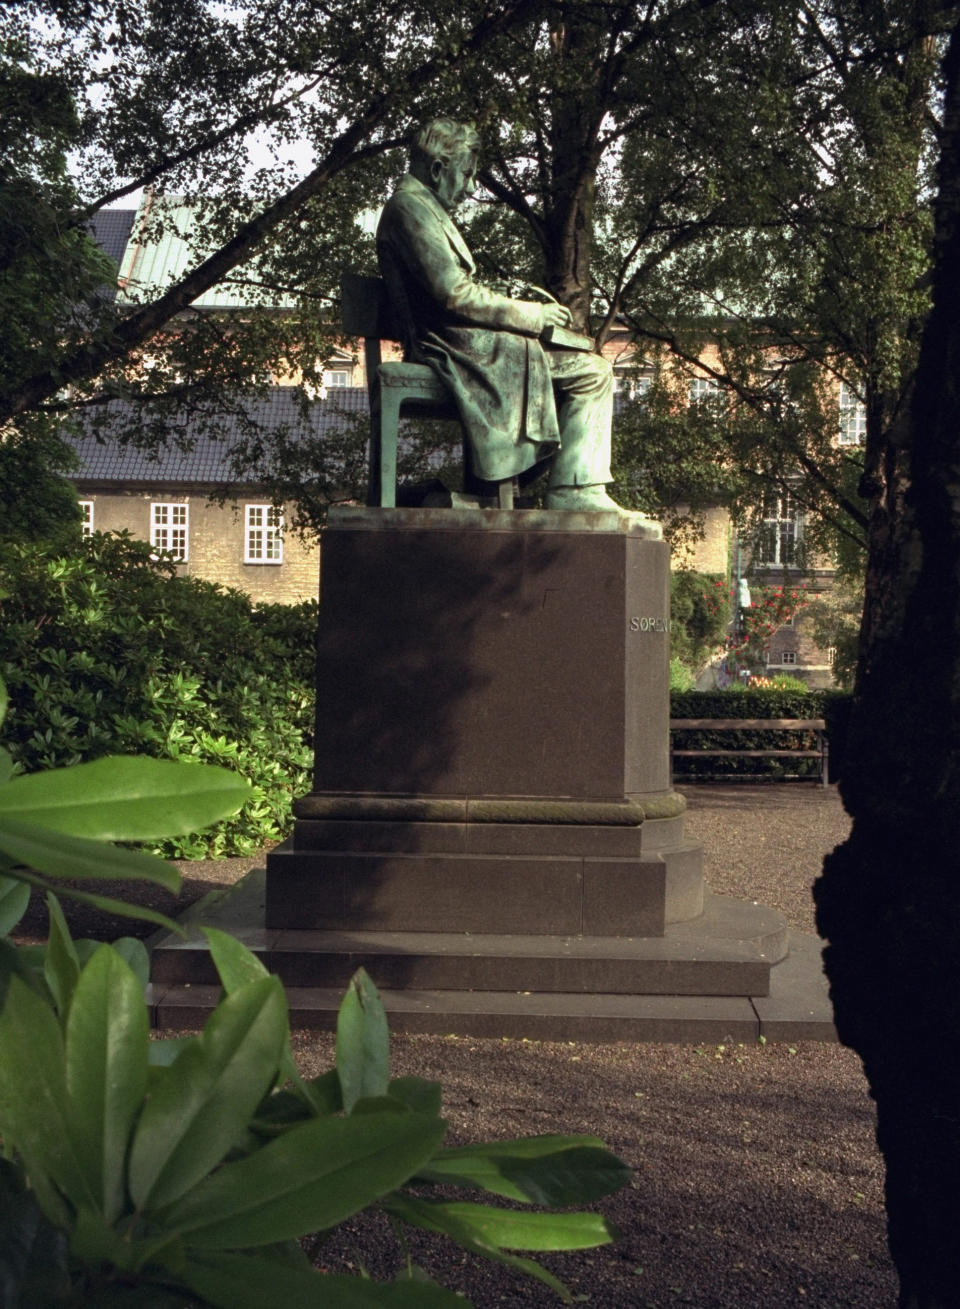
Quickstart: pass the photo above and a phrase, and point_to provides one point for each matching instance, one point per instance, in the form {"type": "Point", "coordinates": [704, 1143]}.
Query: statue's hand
{"type": "Point", "coordinates": [555, 315]}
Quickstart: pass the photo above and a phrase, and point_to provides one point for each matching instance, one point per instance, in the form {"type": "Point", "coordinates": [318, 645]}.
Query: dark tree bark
{"type": "Point", "coordinates": [575, 151]}
{"type": "Point", "coordinates": [888, 900]}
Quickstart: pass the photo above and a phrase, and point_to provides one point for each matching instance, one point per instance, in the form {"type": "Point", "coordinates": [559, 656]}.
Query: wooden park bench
{"type": "Point", "coordinates": [799, 726]}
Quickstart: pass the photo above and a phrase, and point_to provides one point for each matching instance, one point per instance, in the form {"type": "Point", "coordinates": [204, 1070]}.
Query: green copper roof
{"type": "Point", "coordinates": [160, 250]}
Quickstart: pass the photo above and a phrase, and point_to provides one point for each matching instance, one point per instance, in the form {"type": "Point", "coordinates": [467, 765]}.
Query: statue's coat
{"type": "Point", "coordinates": [483, 345]}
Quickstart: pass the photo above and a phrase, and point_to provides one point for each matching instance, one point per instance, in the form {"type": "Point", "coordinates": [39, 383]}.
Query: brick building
{"type": "Point", "coordinates": [185, 499]}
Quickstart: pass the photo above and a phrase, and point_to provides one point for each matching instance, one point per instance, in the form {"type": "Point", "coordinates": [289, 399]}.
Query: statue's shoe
{"type": "Point", "coordinates": [583, 498]}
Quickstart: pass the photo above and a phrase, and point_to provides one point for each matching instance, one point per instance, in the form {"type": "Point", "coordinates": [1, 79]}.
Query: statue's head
{"type": "Point", "coordinates": [444, 157]}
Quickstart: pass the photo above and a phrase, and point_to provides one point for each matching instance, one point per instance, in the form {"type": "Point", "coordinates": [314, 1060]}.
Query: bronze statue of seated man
{"type": "Point", "coordinates": [521, 399]}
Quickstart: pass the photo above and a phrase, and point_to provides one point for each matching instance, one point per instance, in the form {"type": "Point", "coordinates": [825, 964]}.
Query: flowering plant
{"type": "Point", "coordinates": [771, 607]}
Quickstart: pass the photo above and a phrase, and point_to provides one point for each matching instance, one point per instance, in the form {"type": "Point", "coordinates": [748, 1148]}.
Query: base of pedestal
{"type": "Point", "coordinates": [726, 975]}
{"type": "Point", "coordinates": [501, 878]}
{"type": "Point", "coordinates": [492, 833]}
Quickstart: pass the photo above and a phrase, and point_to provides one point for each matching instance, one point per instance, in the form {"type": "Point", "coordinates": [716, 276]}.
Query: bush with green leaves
{"type": "Point", "coordinates": [681, 675]}
{"type": "Point", "coordinates": [185, 1172]}
{"type": "Point", "coordinates": [700, 612]}
{"type": "Point", "coordinates": [106, 650]}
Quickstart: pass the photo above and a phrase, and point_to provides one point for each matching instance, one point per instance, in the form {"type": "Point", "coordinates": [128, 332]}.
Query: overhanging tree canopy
{"type": "Point", "coordinates": [192, 97]}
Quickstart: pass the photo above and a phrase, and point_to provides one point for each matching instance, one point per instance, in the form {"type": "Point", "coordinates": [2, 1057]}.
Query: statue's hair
{"type": "Point", "coordinates": [444, 139]}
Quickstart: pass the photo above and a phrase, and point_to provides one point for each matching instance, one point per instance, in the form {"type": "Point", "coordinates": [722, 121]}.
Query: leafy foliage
{"type": "Point", "coordinates": [818, 276]}
{"type": "Point", "coordinates": [174, 1172]}
{"type": "Point", "coordinates": [836, 619]}
{"type": "Point", "coordinates": [57, 825]}
{"type": "Point", "coordinates": [700, 612]}
{"type": "Point", "coordinates": [105, 651]}
{"type": "Point", "coordinates": [195, 1176]}
{"type": "Point", "coordinates": [244, 125]}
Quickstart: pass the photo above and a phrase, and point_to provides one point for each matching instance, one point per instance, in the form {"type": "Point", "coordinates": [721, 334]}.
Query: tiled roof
{"type": "Point", "coordinates": [111, 230]}
{"type": "Point", "coordinates": [208, 461]}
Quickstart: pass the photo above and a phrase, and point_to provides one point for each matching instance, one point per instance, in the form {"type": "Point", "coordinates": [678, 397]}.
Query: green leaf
{"type": "Point", "coordinates": [13, 964]}
{"type": "Point", "coordinates": [204, 1104]}
{"type": "Point", "coordinates": [58, 855]}
{"type": "Point", "coordinates": [162, 1053]}
{"type": "Point", "coordinates": [93, 1241]}
{"type": "Point", "coordinates": [417, 1094]}
{"type": "Point", "coordinates": [106, 1056]}
{"type": "Point", "coordinates": [144, 1295]}
{"type": "Point", "coordinates": [125, 798]}
{"type": "Point", "coordinates": [34, 1108]}
{"type": "Point", "coordinates": [309, 1179]}
{"type": "Point", "coordinates": [61, 967]}
{"type": "Point", "coordinates": [313, 1099]}
{"type": "Point", "coordinates": [236, 966]}
{"type": "Point", "coordinates": [238, 1281]}
{"type": "Point", "coordinates": [14, 898]}
{"type": "Point", "coordinates": [324, 1093]}
{"type": "Point", "coordinates": [86, 949]}
{"type": "Point", "coordinates": [136, 956]}
{"type": "Point", "coordinates": [4, 699]}
{"type": "Point", "coordinates": [363, 1042]}
{"type": "Point", "coordinates": [513, 1229]}
{"type": "Point", "coordinates": [432, 1217]}
{"type": "Point", "coordinates": [32, 1253]}
{"type": "Point", "coordinates": [548, 1170]}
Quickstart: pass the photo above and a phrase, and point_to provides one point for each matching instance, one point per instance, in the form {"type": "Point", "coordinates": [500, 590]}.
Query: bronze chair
{"type": "Point", "coordinates": [393, 386]}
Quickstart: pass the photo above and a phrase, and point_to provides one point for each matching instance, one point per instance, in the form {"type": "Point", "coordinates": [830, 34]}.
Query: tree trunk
{"type": "Point", "coordinates": [575, 115]}
{"type": "Point", "coordinates": [569, 234]}
{"type": "Point", "coordinates": [888, 900]}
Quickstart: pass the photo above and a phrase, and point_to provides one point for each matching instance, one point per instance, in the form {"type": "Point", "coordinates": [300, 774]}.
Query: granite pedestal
{"type": "Point", "coordinates": [491, 813]}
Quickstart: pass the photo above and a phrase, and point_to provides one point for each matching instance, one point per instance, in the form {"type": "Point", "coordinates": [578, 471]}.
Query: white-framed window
{"type": "Point", "coordinates": [706, 391]}
{"type": "Point", "coordinates": [262, 534]}
{"type": "Point", "coordinates": [86, 517]}
{"type": "Point", "coordinates": [853, 417]}
{"type": "Point", "coordinates": [782, 533]}
{"type": "Point", "coordinates": [337, 376]}
{"type": "Point", "coordinates": [169, 527]}
{"type": "Point", "coordinates": [788, 657]}
{"type": "Point", "coordinates": [628, 382]}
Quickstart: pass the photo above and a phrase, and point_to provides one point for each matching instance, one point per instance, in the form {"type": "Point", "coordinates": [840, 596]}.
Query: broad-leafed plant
{"type": "Point", "coordinates": [187, 1171]}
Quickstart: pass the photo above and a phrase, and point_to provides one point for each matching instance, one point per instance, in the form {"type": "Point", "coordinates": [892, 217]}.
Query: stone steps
{"type": "Point", "coordinates": [797, 1008]}
{"type": "Point", "coordinates": [725, 975]}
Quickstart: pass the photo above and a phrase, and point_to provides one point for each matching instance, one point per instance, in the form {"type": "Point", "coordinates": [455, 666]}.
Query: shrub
{"type": "Point", "coordinates": [106, 650]}
{"type": "Point", "coordinates": [681, 676]}
{"type": "Point", "coordinates": [700, 611]}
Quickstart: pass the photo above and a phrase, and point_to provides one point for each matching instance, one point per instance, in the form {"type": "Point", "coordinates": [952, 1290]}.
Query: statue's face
{"type": "Point", "coordinates": [454, 179]}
